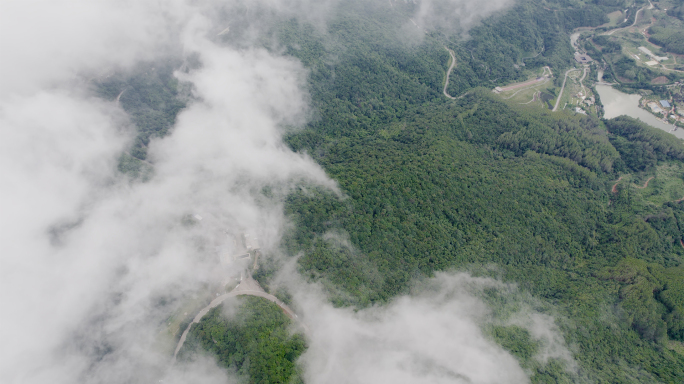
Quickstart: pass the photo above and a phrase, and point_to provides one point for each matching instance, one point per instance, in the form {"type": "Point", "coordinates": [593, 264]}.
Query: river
{"type": "Point", "coordinates": [616, 103]}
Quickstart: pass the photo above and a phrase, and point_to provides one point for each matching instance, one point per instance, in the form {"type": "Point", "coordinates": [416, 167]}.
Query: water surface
{"type": "Point", "coordinates": [616, 103]}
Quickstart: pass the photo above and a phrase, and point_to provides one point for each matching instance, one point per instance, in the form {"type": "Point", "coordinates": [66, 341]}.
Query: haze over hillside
{"type": "Point", "coordinates": [330, 192]}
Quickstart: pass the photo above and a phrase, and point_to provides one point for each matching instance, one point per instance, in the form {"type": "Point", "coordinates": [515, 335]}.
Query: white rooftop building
{"type": "Point", "coordinates": [652, 55]}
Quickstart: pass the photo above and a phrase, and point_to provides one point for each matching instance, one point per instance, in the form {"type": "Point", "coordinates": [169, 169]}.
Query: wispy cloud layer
{"type": "Point", "coordinates": [92, 265]}
{"type": "Point", "coordinates": [456, 16]}
{"type": "Point", "coordinates": [433, 336]}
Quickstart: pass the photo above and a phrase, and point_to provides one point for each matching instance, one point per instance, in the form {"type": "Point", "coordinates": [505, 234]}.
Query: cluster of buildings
{"type": "Point", "coordinates": [666, 110]}
{"type": "Point", "coordinates": [655, 108]}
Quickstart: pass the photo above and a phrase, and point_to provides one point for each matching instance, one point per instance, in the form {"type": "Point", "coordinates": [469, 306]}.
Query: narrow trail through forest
{"type": "Point", "coordinates": [645, 184]}
{"type": "Point", "coordinates": [614, 189]}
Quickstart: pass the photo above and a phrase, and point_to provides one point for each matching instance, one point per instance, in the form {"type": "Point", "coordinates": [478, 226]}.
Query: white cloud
{"type": "Point", "coordinates": [456, 16]}
{"type": "Point", "coordinates": [91, 266]}
{"type": "Point", "coordinates": [45, 42]}
{"type": "Point", "coordinates": [434, 336]}
{"type": "Point", "coordinates": [56, 151]}
{"type": "Point", "coordinates": [87, 258]}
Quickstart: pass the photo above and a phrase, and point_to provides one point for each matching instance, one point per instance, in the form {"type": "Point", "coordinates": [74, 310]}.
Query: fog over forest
{"type": "Point", "coordinates": [94, 262]}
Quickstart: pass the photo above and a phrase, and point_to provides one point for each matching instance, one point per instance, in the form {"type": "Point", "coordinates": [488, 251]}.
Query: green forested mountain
{"type": "Point", "coordinates": [424, 200]}
{"type": "Point", "coordinates": [433, 184]}
{"type": "Point", "coordinates": [438, 185]}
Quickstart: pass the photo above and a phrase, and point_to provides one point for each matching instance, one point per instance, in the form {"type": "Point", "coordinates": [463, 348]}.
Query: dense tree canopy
{"type": "Point", "coordinates": [254, 343]}
{"type": "Point", "coordinates": [433, 184]}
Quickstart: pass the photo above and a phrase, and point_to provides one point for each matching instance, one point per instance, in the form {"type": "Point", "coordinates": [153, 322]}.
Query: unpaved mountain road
{"type": "Point", "coordinates": [645, 184]}
{"type": "Point", "coordinates": [247, 287]}
{"type": "Point", "coordinates": [614, 189]}
{"type": "Point", "coordinates": [451, 67]}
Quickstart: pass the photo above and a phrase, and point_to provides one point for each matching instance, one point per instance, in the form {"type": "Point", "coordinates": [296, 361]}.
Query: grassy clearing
{"type": "Point", "coordinates": [531, 95]}
{"type": "Point", "coordinates": [536, 95]}
{"type": "Point", "coordinates": [525, 95]}
{"type": "Point", "coordinates": [615, 18]}
{"type": "Point", "coordinates": [667, 185]}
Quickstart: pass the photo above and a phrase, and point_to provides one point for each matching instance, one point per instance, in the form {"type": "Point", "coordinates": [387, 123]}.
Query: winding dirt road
{"type": "Point", "coordinates": [247, 287]}
{"type": "Point", "coordinates": [614, 189]}
{"type": "Point", "coordinates": [645, 184]}
{"type": "Point", "coordinates": [636, 18]}
{"type": "Point", "coordinates": [451, 67]}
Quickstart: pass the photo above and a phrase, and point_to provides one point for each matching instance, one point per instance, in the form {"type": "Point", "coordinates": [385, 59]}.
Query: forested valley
{"type": "Point", "coordinates": [473, 184]}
